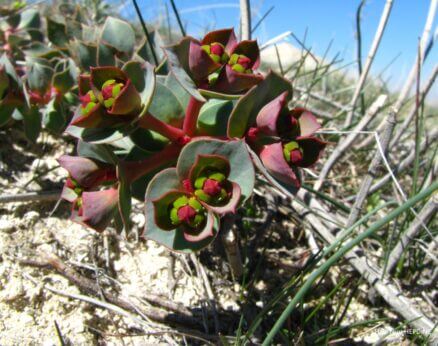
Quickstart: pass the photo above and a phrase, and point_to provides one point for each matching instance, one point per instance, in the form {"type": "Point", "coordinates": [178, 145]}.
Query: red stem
{"type": "Point", "coordinates": [191, 117]}
{"type": "Point", "coordinates": [149, 122]}
{"type": "Point", "coordinates": [136, 169]}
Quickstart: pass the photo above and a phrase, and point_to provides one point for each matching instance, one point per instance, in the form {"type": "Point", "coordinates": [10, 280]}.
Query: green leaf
{"type": "Point", "coordinates": [54, 118]}
{"type": "Point", "coordinates": [89, 33]}
{"type": "Point", "coordinates": [40, 50]}
{"type": "Point", "coordinates": [216, 95]}
{"type": "Point", "coordinates": [32, 123]}
{"type": "Point", "coordinates": [100, 152]}
{"type": "Point", "coordinates": [5, 113]}
{"type": "Point", "coordinates": [119, 35]}
{"type": "Point", "coordinates": [157, 42]}
{"type": "Point", "coordinates": [163, 182]}
{"type": "Point", "coordinates": [213, 118]}
{"type": "Point", "coordinates": [105, 55]}
{"type": "Point", "coordinates": [87, 55]}
{"type": "Point", "coordinates": [100, 135]}
{"type": "Point", "coordinates": [29, 18]}
{"type": "Point", "coordinates": [10, 70]}
{"type": "Point", "coordinates": [148, 140]}
{"type": "Point", "coordinates": [66, 78]}
{"type": "Point", "coordinates": [177, 57]}
{"type": "Point", "coordinates": [57, 32]}
{"type": "Point", "coordinates": [235, 151]}
{"type": "Point", "coordinates": [166, 105]}
{"type": "Point", "coordinates": [143, 77]}
{"type": "Point", "coordinates": [247, 108]}
{"type": "Point", "coordinates": [39, 75]}
{"type": "Point", "coordinates": [183, 96]}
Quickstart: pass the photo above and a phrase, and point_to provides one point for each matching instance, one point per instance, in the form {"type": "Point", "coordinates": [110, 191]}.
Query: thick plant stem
{"type": "Point", "coordinates": [149, 122]}
{"type": "Point", "coordinates": [191, 117]}
{"type": "Point", "coordinates": [136, 169]}
{"type": "Point", "coordinates": [231, 246]}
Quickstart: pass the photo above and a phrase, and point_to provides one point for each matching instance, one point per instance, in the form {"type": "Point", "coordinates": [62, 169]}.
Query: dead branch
{"type": "Point", "coordinates": [424, 216]}
{"type": "Point", "coordinates": [373, 50]}
{"type": "Point", "coordinates": [183, 317]}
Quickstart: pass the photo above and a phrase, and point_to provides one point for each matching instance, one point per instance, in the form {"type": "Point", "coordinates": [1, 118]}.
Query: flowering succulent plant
{"type": "Point", "coordinates": [217, 63]}
{"type": "Point", "coordinates": [185, 142]}
{"type": "Point", "coordinates": [189, 180]}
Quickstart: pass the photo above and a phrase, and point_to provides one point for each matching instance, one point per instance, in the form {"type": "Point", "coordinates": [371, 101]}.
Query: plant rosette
{"type": "Point", "coordinates": [282, 138]}
{"type": "Point", "coordinates": [217, 63]}
{"type": "Point", "coordinates": [184, 204]}
{"type": "Point", "coordinates": [92, 190]}
{"type": "Point", "coordinates": [108, 98]}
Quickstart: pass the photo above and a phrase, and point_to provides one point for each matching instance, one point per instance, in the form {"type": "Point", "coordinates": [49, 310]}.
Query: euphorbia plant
{"type": "Point", "coordinates": [140, 136]}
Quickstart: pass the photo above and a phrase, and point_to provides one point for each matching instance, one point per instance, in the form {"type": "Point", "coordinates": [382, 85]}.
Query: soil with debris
{"type": "Point", "coordinates": [32, 314]}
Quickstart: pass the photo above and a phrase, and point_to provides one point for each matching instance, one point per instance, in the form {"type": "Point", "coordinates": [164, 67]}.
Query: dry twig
{"type": "Point", "coordinates": [371, 54]}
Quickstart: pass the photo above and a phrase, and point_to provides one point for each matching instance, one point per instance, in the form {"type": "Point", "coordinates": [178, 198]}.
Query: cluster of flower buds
{"type": "Point", "coordinates": [107, 97]}
{"type": "Point", "coordinates": [219, 63]}
{"type": "Point", "coordinates": [91, 190]}
{"type": "Point", "coordinates": [42, 98]}
{"type": "Point", "coordinates": [205, 192]}
{"type": "Point", "coordinates": [284, 139]}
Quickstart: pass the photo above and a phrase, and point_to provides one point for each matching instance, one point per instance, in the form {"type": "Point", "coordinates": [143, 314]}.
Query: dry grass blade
{"type": "Point", "coordinates": [371, 54]}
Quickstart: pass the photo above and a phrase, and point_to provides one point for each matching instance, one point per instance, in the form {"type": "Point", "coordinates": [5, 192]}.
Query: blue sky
{"type": "Point", "coordinates": [325, 20]}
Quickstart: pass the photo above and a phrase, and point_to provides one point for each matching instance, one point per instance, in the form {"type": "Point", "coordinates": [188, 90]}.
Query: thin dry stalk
{"type": "Point", "coordinates": [245, 19]}
{"type": "Point", "coordinates": [231, 246]}
{"type": "Point", "coordinates": [405, 163]}
{"type": "Point", "coordinates": [348, 141]}
{"type": "Point", "coordinates": [371, 272]}
{"type": "Point", "coordinates": [371, 54]}
{"type": "Point", "coordinates": [51, 261]}
{"type": "Point", "coordinates": [423, 45]}
{"type": "Point", "coordinates": [321, 98]}
{"type": "Point", "coordinates": [424, 216]}
{"type": "Point", "coordinates": [402, 129]}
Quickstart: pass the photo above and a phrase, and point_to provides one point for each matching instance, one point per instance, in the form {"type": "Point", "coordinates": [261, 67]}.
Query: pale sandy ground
{"type": "Point", "coordinates": [28, 311]}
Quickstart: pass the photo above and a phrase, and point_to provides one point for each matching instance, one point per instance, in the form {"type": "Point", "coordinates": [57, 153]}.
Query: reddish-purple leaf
{"type": "Point", "coordinates": [307, 121]}
{"type": "Point", "coordinates": [232, 82]}
{"type": "Point", "coordinates": [312, 148]}
{"type": "Point", "coordinates": [274, 161]}
{"type": "Point", "coordinates": [202, 234]}
{"type": "Point", "coordinates": [267, 119]}
{"type": "Point", "coordinates": [98, 208]}
{"type": "Point", "coordinates": [200, 63]}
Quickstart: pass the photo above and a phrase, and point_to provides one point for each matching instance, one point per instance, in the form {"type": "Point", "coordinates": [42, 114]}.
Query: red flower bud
{"type": "Point", "coordinates": [186, 213]}
{"type": "Point", "coordinates": [212, 187]}
{"type": "Point", "coordinates": [217, 48]}
{"type": "Point", "coordinates": [244, 61]}
{"type": "Point", "coordinates": [296, 156]}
